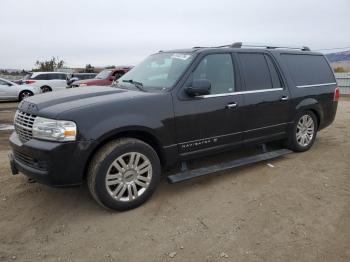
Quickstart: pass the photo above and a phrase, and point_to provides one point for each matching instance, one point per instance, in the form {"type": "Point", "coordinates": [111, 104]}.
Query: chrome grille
{"type": "Point", "coordinates": [24, 125]}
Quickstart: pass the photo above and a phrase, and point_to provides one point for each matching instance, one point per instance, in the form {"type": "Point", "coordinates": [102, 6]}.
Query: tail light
{"type": "Point", "coordinates": [28, 82]}
{"type": "Point", "coordinates": [336, 94]}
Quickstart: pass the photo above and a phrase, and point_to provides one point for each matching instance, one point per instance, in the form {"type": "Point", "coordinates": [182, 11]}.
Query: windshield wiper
{"type": "Point", "coordinates": [138, 85]}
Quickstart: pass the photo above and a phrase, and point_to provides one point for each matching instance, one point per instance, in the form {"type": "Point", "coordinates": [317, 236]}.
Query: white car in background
{"type": "Point", "coordinates": [12, 91]}
{"type": "Point", "coordinates": [47, 81]}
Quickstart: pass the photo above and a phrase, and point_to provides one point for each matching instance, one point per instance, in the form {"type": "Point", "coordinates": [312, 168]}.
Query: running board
{"type": "Point", "coordinates": [190, 174]}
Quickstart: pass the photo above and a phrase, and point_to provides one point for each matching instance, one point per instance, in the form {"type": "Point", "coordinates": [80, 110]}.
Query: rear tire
{"type": "Point", "coordinates": [304, 131]}
{"type": "Point", "coordinates": [24, 94]}
{"type": "Point", "coordinates": [45, 89]}
{"type": "Point", "coordinates": [123, 174]}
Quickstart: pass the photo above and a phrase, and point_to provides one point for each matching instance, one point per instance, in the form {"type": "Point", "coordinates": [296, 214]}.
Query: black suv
{"type": "Point", "coordinates": [174, 106]}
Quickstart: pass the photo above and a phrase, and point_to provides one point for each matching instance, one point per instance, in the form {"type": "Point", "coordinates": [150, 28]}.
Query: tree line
{"type": "Point", "coordinates": [51, 65]}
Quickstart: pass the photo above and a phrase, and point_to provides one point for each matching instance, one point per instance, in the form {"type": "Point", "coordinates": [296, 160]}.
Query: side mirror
{"type": "Point", "coordinates": [112, 78]}
{"type": "Point", "coordinates": [199, 87]}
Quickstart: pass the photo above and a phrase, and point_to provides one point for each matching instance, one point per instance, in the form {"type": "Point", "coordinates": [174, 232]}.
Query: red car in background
{"type": "Point", "coordinates": [104, 78]}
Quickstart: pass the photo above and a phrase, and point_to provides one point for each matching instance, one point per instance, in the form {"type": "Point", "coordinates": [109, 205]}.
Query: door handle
{"type": "Point", "coordinates": [231, 105]}
{"type": "Point", "coordinates": [284, 98]}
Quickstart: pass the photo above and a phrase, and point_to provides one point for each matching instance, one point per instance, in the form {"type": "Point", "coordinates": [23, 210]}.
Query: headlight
{"type": "Point", "coordinates": [55, 130]}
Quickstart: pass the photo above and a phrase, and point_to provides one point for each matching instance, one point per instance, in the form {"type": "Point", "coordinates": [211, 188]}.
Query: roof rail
{"type": "Point", "coordinates": [240, 45]}
{"type": "Point", "coordinates": [221, 46]}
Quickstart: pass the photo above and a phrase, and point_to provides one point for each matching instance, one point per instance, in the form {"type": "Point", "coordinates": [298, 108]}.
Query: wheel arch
{"type": "Point", "coordinates": [312, 105]}
{"type": "Point", "coordinates": [46, 86]}
{"type": "Point", "coordinates": [25, 90]}
{"type": "Point", "coordinates": [141, 134]}
{"type": "Point", "coordinates": [317, 114]}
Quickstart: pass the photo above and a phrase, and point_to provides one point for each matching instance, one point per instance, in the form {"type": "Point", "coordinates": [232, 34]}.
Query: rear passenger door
{"type": "Point", "coordinates": [267, 109]}
{"type": "Point", "coordinates": [58, 81]}
{"type": "Point", "coordinates": [41, 80]}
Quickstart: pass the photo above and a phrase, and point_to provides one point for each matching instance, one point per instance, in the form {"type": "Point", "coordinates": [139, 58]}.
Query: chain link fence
{"type": "Point", "coordinates": [11, 77]}
{"type": "Point", "coordinates": [343, 80]}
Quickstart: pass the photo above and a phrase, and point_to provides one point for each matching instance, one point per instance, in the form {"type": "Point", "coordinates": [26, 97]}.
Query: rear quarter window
{"type": "Point", "coordinates": [308, 69]}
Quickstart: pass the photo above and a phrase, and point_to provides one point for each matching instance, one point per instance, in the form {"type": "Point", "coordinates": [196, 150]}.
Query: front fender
{"type": "Point", "coordinates": [127, 122]}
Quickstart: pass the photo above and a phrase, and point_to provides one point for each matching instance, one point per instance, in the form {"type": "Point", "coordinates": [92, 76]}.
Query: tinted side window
{"type": "Point", "coordinates": [50, 77]}
{"type": "Point", "coordinates": [57, 77]}
{"type": "Point", "coordinates": [63, 76]}
{"type": "Point", "coordinates": [308, 69]}
{"type": "Point", "coordinates": [275, 76]}
{"type": "Point", "coordinates": [42, 77]}
{"type": "Point", "coordinates": [255, 71]}
{"type": "Point", "coordinates": [218, 69]}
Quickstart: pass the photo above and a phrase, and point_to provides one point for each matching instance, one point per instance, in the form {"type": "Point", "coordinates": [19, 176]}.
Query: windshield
{"type": "Point", "coordinates": [103, 74]}
{"type": "Point", "coordinates": [158, 71]}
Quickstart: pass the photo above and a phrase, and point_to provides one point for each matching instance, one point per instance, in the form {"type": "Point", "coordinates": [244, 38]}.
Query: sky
{"type": "Point", "coordinates": [114, 32]}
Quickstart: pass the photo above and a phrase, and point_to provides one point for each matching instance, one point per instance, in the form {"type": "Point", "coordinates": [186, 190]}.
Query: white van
{"type": "Point", "coordinates": [47, 81]}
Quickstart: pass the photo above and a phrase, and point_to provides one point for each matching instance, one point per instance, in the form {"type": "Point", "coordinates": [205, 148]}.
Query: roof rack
{"type": "Point", "coordinates": [221, 46]}
{"type": "Point", "coordinates": [240, 45]}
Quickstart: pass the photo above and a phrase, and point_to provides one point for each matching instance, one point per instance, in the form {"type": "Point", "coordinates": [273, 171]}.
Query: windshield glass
{"type": "Point", "coordinates": [158, 71]}
{"type": "Point", "coordinates": [103, 74]}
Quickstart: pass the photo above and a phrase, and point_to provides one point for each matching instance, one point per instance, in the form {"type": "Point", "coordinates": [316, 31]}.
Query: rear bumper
{"type": "Point", "coordinates": [329, 113]}
{"type": "Point", "coordinates": [50, 163]}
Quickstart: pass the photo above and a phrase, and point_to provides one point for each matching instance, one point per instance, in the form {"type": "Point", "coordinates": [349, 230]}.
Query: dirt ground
{"type": "Point", "coordinates": [298, 209]}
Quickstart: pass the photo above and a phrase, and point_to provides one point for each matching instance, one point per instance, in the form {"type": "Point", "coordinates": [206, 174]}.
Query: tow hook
{"type": "Point", "coordinates": [14, 169]}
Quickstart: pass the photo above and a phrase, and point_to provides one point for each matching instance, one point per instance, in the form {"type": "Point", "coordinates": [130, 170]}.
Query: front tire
{"type": "Point", "coordinates": [24, 94]}
{"type": "Point", "coordinates": [123, 174]}
{"type": "Point", "coordinates": [304, 131]}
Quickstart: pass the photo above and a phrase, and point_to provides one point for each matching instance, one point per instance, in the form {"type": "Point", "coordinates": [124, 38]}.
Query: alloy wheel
{"type": "Point", "coordinates": [128, 176]}
{"type": "Point", "coordinates": [305, 130]}
{"type": "Point", "coordinates": [25, 94]}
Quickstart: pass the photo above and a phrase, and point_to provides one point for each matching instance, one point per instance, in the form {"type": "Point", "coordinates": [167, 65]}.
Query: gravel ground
{"type": "Point", "coordinates": [297, 209]}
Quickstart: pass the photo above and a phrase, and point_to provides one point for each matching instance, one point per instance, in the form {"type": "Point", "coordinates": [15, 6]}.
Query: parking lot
{"type": "Point", "coordinates": [296, 208]}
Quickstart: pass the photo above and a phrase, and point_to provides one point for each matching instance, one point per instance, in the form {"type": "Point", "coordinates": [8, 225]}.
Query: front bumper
{"type": "Point", "coordinates": [51, 163]}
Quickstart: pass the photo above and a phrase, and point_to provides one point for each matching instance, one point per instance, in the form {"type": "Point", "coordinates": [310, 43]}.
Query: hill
{"type": "Point", "coordinates": [339, 56]}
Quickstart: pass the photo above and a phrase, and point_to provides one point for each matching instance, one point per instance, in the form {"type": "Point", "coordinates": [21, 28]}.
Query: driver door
{"type": "Point", "coordinates": [210, 122]}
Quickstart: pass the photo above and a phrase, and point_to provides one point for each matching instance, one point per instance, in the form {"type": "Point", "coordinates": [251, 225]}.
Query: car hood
{"type": "Point", "coordinates": [53, 104]}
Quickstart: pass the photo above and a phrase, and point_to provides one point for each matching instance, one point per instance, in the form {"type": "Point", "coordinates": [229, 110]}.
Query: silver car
{"type": "Point", "coordinates": [12, 91]}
